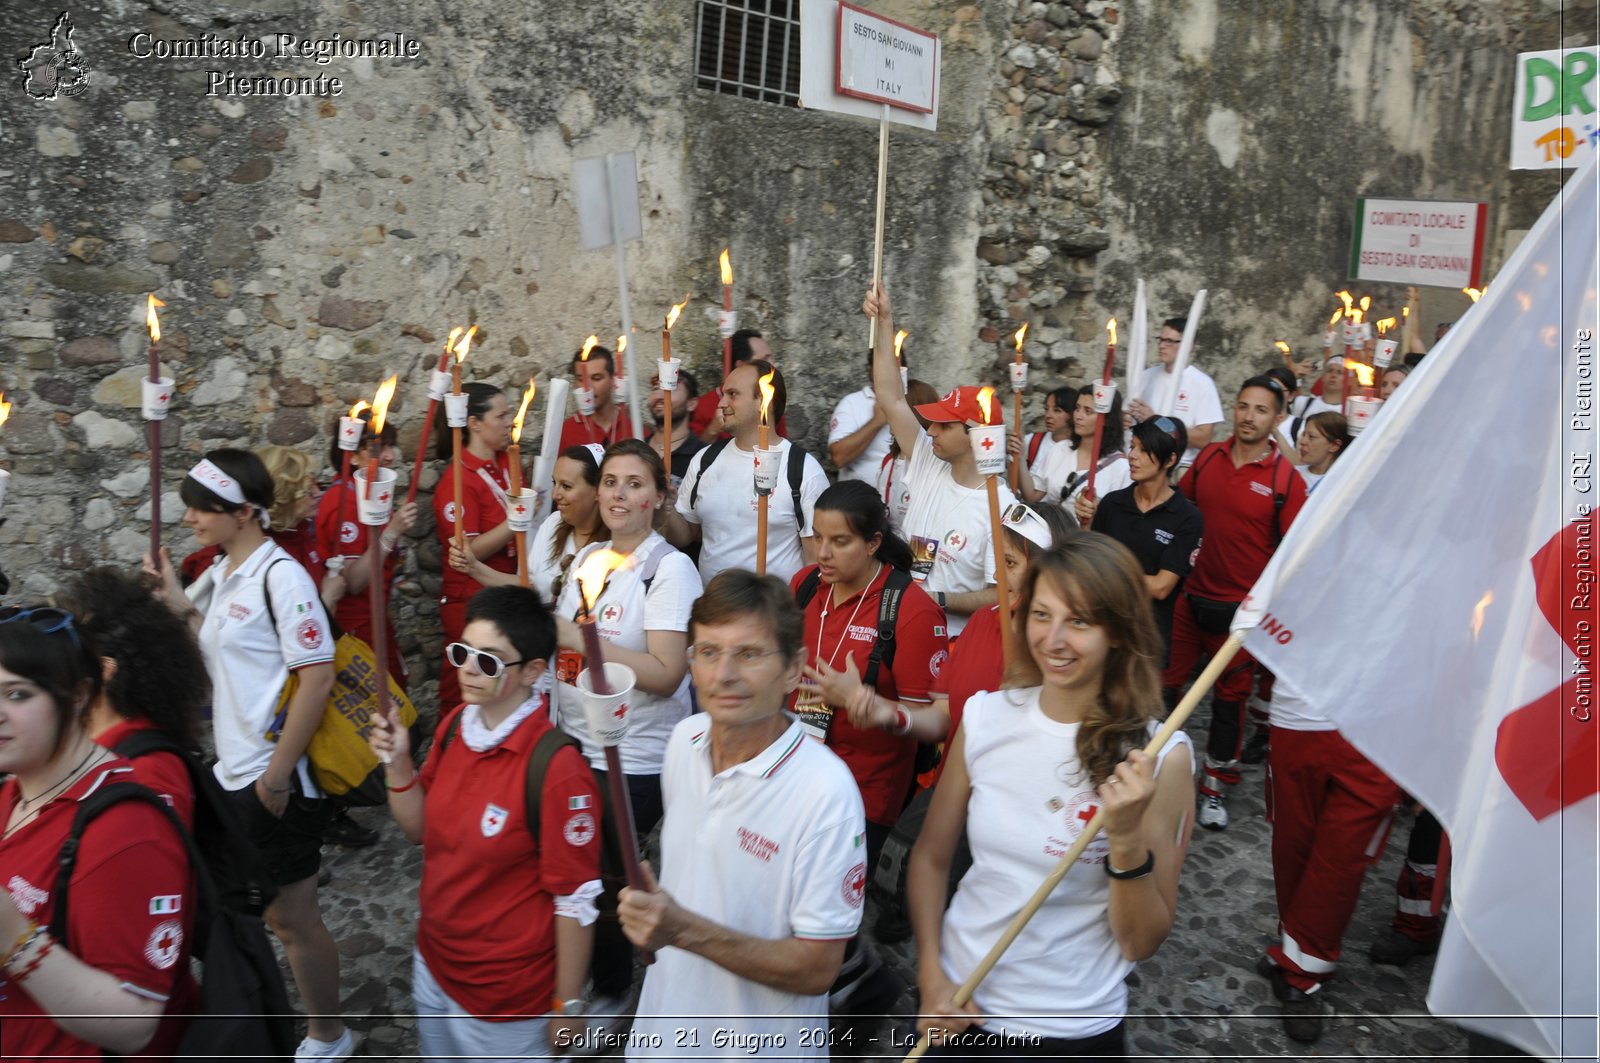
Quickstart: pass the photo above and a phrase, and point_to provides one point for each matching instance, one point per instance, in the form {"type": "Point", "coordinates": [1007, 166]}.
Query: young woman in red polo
{"type": "Point", "coordinates": [506, 911]}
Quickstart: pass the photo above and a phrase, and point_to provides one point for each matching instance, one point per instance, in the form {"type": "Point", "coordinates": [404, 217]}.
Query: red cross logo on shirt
{"type": "Point", "coordinates": [1545, 753]}
{"type": "Point", "coordinates": [610, 613]}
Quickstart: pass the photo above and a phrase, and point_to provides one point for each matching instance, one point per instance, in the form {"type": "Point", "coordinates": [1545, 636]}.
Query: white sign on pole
{"type": "Point", "coordinates": [597, 184]}
{"type": "Point", "coordinates": [1419, 241]}
{"type": "Point", "coordinates": [840, 71]}
{"type": "Point", "coordinates": [1553, 118]}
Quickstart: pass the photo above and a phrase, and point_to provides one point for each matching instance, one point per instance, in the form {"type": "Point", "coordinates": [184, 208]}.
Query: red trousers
{"type": "Point", "coordinates": [1331, 810]}
{"type": "Point", "coordinates": [453, 619]}
{"type": "Point", "coordinates": [1192, 649]}
{"type": "Point", "coordinates": [1417, 892]}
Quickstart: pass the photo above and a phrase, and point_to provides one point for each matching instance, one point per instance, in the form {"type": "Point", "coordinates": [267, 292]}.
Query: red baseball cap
{"type": "Point", "coordinates": [961, 404]}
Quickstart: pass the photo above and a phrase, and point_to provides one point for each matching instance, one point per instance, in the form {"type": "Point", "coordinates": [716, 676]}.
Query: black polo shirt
{"type": "Point", "coordinates": [1166, 538]}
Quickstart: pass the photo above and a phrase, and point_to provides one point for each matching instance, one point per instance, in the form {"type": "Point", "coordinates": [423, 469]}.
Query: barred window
{"type": "Point", "coordinates": [749, 48]}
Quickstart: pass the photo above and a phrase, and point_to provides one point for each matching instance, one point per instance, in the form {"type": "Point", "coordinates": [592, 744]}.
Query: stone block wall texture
{"type": "Point", "coordinates": [308, 246]}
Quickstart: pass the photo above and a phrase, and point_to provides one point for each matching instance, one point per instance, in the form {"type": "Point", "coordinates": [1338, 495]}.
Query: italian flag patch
{"type": "Point", "coordinates": [165, 905]}
{"type": "Point", "coordinates": [576, 803]}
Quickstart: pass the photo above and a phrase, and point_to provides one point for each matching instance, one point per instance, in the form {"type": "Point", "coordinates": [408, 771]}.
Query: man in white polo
{"type": "Point", "coordinates": [858, 435]}
{"type": "Point", "coordinates": [763, 854]}
{"type": "Point", "coordinates": [1197, 403]}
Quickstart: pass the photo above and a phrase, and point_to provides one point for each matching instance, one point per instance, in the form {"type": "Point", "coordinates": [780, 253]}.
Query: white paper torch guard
{"type": "Point", "coordinates": [155, 396]}
{"type": "Point", "coordinates": [373, 507]}
{"type": "Point", "coordinates": [1104, 396]}
{"type": "Point", "coordinates": [989, 449]}
{"type": "Point", "coordinates": [455, 410]}
{"type": "Point", "coordinates": [607, 714]}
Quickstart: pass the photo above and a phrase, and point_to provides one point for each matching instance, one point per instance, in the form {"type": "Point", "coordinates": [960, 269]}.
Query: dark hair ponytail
{"type": "Point", "coordinates": [478, 398]}
{"type": "Point", "coordinates": [863, 510]}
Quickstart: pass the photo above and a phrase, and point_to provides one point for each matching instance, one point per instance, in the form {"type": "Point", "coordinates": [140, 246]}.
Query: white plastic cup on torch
{"type": "Point", "coordinates": [455, 410]}
{"type": "Point", "coordinates": [155, 396]}
{"type": "Point", "coordinates": [989, 448]}
{"type": "Point", "coordinates": [607, 714]}
{"type": "Point", "coordinates": [350, 433]}
{"type": "Point", "coordinates": [5, 478]}
{"type": "Point", "coordinates": [585, 399]}
{"type": "Point", "coordinates": [1352, 334]}
{"type": "Point", "coordinates": [374, 506]}
{"type": "Point", "coordinates": [1361, 412]}
{"type": "Point", "coordinates": [1104, 395]}
{"type": "Point", "coordinates": [727, 323]}
{"type": "Point", "coordinates": [905, 379]}
{"type": "Point", "coordinates": [1365, 330]}
{"type": "Point", "coordinates": [1019, 375]}
{"type": "Point", "coordinates": [668, 372]}
{"type": "Point", "coordinates": [439, 384]}
{"type": "Point", "coordinates": [520, 513]}
{"type": "Point", "coordinates": [1383, 355]}
{"type": "Point", "coordinates": [767, 462]}
{"type": "Point", "coordinates": [619, 386]}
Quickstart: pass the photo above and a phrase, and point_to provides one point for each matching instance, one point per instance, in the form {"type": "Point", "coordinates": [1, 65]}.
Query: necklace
{"type": "Point", "coordinates": [24, 802]}
{"type": "Point", "coordinates": [827, 601]}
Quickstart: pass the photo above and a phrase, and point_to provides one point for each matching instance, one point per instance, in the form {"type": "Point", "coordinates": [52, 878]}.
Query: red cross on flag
{"type": "Point", "coordinates": [1436, 600]}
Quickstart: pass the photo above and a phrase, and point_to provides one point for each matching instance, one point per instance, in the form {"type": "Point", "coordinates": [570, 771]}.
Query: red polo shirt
{"type": "Point", "coordinates": [340, 533]}
{"type": "Point", "coordinates": [883, 764]}
{"type": "Point", "coordinates": [976, 663]}
{"type": "Point", "coordinates": [487, 905]}
{"type": "Point", "coordinates": [580, 429]}
{"type": "Point", "coordinates": [162, 772]}
{"type": "Point", "coordinates": [132, 910]}
{"type": "Point", "coordinates": [1238, 507]}
{"type": "Point", "coordinates": [483, 496]}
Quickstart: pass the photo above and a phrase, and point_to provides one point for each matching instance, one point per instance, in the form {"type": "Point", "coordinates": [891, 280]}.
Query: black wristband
{"type": "Point", "coordinates": [1141, 871]}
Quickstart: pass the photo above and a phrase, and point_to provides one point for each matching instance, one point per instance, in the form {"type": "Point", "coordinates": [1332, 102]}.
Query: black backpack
{"type": "Point", "coordinates": [243, 1012]}
{"type": "Point", "coordinates": [544, 751]}
{"type": "Point", "coordinates": [796, 466]}
{"type": "Point", "coordinates": [243, 882]}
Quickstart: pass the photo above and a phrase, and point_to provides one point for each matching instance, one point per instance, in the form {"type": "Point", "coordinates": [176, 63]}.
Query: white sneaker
{"type": "Point", "coordinates": [1213, 812]}
{"type": "Point", "coordinates": [337, 1051]}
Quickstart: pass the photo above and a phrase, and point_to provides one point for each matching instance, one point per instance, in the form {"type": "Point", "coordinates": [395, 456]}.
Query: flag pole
{"type": "Point", "coordinates": [880, 203]}
{"type": "Point", "coordinates": [1202, 685]}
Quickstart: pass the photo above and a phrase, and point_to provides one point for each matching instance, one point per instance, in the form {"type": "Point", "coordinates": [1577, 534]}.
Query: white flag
{"type": "Point", "coordinates": [1435, 600]}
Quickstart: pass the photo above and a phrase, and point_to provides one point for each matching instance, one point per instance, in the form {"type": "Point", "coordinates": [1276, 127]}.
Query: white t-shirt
{"type": "Point", "coordinates": [1198, 404]}
{"type": "Point", "coordinates": [726, 511]}
{"type": "Point", "coordinates": [1046, 446]}
{"type": "Point", "coordinates": [1030, 799]}
{"type": "Point", "coordinates": [774, 848]}
{"type": "Point", "coordinates": [1061, 473]}
{"type": "Point", "coordinates": [895, 490]}
{"type": "Point", "coordinates": [249, 659]}
{"type": "Point", "coordinates": [624, 612]}
{"type": "Point", "coordinates": [853, 412]}
{"type": "Point", "coordinates": [542, 572]}
{"type": "Point", "coordinates": [1290, 710]}
{"type": "Point", "coordinates": [947, 526]}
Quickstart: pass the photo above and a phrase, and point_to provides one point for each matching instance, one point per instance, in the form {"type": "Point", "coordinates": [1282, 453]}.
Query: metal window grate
{"type": "Point", "coordinates": [749, 48]}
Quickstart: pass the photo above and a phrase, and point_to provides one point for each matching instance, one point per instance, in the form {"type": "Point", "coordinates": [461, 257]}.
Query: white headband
{"type": "Point", "coordinates": [225, 487]}
{"type": "Point", "coordinates": [598, 451]}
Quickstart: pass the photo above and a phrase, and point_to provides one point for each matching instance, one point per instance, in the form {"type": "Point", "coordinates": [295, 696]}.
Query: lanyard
{"type": "Point", "coordinates": [860, 600]}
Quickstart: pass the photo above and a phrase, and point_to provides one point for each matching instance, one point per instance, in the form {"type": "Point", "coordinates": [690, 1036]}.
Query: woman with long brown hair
{"type": "Point", "coordinates": [1030, 765]}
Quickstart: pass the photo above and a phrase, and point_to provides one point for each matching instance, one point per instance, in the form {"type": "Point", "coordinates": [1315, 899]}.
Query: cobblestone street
{"type": "Point", "coordinates": [1199, 997]}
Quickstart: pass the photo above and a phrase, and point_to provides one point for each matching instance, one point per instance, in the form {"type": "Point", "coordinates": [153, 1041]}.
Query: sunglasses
{"type": "Point", "coordinates": [488, 665]}
{"type": "Point", "coordinates": [46, 619]}
{"type": "Point", "coordinates": [1028, 524]}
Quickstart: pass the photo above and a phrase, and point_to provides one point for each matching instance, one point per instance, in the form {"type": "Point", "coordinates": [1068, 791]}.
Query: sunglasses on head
{"type": "Point", "coordinates": [47, 619]}
{"type": "Point", "coordinates": [1028, 524]}
{"type": "Point", "coordinates": [488, 665]}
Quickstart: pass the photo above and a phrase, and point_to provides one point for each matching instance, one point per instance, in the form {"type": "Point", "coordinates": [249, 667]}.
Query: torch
{"type": "Point", "coordinates": [1288, 356]}
{"type": "Point", "coordinates": [1329, 336]}
{"type": "Point", "coordinates": [899, 342]}
{"type": "Point", "coordinates": [455, 415]}
{"type": "Point", "coordinates": [520, 512]}
{"type": "Point", "coordinates": [619, 383]}
{"type": "Point", "coordinates": [606, 690]}
{"type": "Point", "coordinates": [585, 395]}
{"type": "Point", "coordinates": [5, 475]}
{"type": "Point", "coordinates": [1104, 393]}
{"type": "Point", "coordinates": [1360, 409]}
{"type": "Point", "coordinates": [1351, 329]}
{"type": "Point", "coordinates": [349, 442]}
{"type": "Point", "coordinates": [374, 503]}
{"type": "Point", "coordinates": [1019, 384]}
{"type": "Point", "coordinates": [669, 379]}
{"type": "Point", "coordinates": [1383, 353]}
{"type": "Point", "coordinates": [438, 387]}
{"type": "Point", "coordinates": [157, 395]}
{"type": "Point", "coordinates": [728, 323]}
{"type": "Point", "coordinates": [766, 469]}
{"type": "Point", "coordinates": [1366, 329]}
{"type": "Point", "coordinates": [1473, 293]}
{"type": "Point", "coordinates": [989, 451]}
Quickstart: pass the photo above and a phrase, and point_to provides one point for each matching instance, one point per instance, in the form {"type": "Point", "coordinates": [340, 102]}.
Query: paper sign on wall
{"type": "Point", "coordinates": [1554, 123]}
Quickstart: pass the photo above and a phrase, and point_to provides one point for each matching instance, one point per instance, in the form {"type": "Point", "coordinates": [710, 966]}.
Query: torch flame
{"type": "Point", "coordinates": [1348, 299]}
{"type": "Point", "coordinates": [1357, 316]}
{"type": "Point", "coordinates": [1284, 347]}
{"type": "Point", "coordinates": [1334, 320]}
{"type": "Point", "coordinates": [677, 308]}
{"type": "Point", "coordinates": [1111, 327]}
{"type": "Point", "coordinates": [355, 411]}
{"type": "Point", "coordinates": [622, 344]}
{"type": "Point", "coordinates": [727, 268]}
{"type": "Point", "coordinates": [984, 398]}
{"type": "Point", "coordinates": [1366, 302]}
{"type": "Point", "coordinates": [1405, 312]}
{"type": "Point", "coordinates": [522, 411]}
{"type": "Point", "coordinates": [1478, 611]}
{"type": "Point", "coordinates": [450, 344]}
{"type": "Point", "coordinates": [465, 345]}
{"type": "Point", "coordinates": [899, 341]}
{"type": "Point", "coordinates": [5, 408]}
{"type": "Point", "coordinates": [767, 391]}
{"type": "Point", "coordinates": [380, 403]}
{"type": "Point", "coordinates": [1385, 325]}
{"type": "Point", "coordinates": [593, 572]}
{"type": "Point", "coordinates": [1017, 337]}
{"type": "Point", "coordinates": [1362, 371]}
{"type": "Point", "coordinates": [1474, 293]}
{"type": "Point", "coordinates": [588, 345]}
{"type": "Point", "coordinates": [150, 319]}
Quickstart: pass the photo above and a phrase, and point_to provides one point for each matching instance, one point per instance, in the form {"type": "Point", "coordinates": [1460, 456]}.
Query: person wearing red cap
{"type": "Point", "coordinates": [947, 520]}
